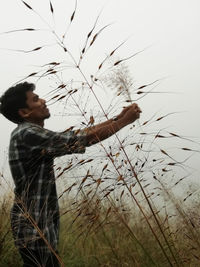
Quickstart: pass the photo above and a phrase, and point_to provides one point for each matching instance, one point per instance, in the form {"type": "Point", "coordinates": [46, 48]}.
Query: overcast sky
{"type": "Point", "coordinates": [168, 31]}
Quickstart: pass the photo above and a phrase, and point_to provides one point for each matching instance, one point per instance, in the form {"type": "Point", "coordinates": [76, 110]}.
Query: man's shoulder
{"type": "Point", "coordinates": [24, 127]}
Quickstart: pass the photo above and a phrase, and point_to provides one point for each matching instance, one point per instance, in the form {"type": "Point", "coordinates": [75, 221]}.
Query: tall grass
{"type": "Point", "coordinates": [110, 210]}
{"type": "Point", "coordinates": [119, 236]}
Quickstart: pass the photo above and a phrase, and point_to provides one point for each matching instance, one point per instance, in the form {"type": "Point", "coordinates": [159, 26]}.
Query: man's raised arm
{"type": "Point", "coordinates": [104, 130]}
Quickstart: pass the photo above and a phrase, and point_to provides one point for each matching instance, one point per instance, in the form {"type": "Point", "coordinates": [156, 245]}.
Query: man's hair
{"type": "Point", "coordinates": [13, 100]}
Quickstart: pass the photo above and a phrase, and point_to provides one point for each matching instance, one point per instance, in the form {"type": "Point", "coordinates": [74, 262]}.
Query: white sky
{"type": "Point", "coordinates": [168, 29]}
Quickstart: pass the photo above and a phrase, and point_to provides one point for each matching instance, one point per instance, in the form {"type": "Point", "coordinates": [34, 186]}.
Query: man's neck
{"type": "Point", "coordinates": [40, 123]}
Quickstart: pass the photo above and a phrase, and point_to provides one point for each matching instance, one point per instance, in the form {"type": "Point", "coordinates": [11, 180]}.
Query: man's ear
{"type": "Point", "coordinates": [24, 112]}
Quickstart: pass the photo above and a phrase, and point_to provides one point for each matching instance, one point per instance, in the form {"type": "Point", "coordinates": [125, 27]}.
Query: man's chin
{"type": "Point", "coordinates": [48, 116]}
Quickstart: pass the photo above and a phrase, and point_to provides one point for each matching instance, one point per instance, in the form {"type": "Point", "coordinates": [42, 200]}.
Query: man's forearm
{"type": "Point", "coordinates": [104, 130]}
{"type": "Point", "coordinates": [103, 124]}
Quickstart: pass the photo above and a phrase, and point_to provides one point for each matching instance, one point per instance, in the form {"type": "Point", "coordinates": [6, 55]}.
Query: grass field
{"type": "Point", "coordinates": [101, 234]}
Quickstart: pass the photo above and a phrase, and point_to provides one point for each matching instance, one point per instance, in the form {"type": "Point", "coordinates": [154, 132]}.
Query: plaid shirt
{"type": "Point", "coordinates": [35, 212]}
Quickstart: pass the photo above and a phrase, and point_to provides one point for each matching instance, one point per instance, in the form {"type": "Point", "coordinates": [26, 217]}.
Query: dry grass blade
{"type": "Point", "coordinates": [87, 161]}
{"type": "Point", "coordinates": [52, 63]}
{"type": "Point", "coordinates": [87, 38]}
{"type": "Point", "coordinates": [24, 51]}
{"type": "Point", "coordinates": [21, 30]}
{"type": "Point", "coordinates": [184, 138]}
{"type": "Point", "coordinates": [108, 211]}
{"type": "Point", "coordinates": [27, 5]}
{"type": "Point", "coordinates": [83, 180]}
{"type": "Point", "coordinates": [149, 84]}
{"type": "Point", "coordinates": [111, 54]}
{"type": "Point", "coordinates": [91, 121]}
{"type": "Point", "coordinates": [187, 196]}
{"type": "Point", "coordinates": [55, 97]}
{"type": "Point", "coordinates": [95, 36]}
{"type": "Point", "coordinates": [187, 149]}
{"type": "Point", "coordinates": [61, 97]}
{"type": "Point", "coordinates": [104, 168]}
{"type": "Point", "coordinates": [51, 7]}
{"type": "Point", "coordinates": [160, 136]}
{"type": "Point", "coordinates": [68, 189]}
{"type": "Point", "coordinates": [121, 60]}
{"type": "Point", "coordinates": [176, 135]}
{"type": "Point", "coordinates": [45, 22]}
{"type": "Point", "coordinates": [71, 19]}
{"type": "Point", "coordinates": [94, 26]}
{"type": "Point", "coordinates": [32, 74]}
{"type": "Point", "coordinates": [164, 152]}
{"type": "Point", "coordinates": [36, 49]}
{"type": "Point", "coordinates": [73, 14]}
{"type": "Point", "coordinates": [162, 117]}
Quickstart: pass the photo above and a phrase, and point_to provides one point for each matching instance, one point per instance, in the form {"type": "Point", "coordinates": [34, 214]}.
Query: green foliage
{"type": "Point", "coordinates": [9, 256]}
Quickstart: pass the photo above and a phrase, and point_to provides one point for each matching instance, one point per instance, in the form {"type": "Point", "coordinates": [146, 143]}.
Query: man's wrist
{"type": "Point", "coordinates": [115, 118]}
{"type": "Point", "coordinates": [119, 121]}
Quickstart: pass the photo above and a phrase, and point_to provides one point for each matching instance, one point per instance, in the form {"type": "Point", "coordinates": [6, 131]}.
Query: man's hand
{"type": "Point", "coordinates": [130, 113]}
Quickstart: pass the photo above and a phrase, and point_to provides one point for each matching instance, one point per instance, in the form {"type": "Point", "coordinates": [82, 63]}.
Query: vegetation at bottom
{"type": "Point", "coordinates": [107, 233]}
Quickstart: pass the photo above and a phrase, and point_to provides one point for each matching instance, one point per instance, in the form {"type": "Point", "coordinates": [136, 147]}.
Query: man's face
{"type": "Point", "coordinates": [36, 110]}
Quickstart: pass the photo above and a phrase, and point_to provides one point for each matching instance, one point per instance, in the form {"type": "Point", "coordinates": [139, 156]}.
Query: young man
{"type": "Point", "coordinates": [35, 212]}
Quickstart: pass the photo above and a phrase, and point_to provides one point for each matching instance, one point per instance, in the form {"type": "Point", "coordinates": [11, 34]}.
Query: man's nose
{"type": "Point", "coordinates": [43, 101]}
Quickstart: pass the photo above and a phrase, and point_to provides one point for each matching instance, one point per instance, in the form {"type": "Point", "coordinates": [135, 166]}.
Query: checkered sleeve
{"type": "Point", "coordinates": [54, 144]}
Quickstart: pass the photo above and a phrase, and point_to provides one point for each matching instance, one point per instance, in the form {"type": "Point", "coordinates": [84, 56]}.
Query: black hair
{"type": "Point", "coordinates": [13, 100]}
